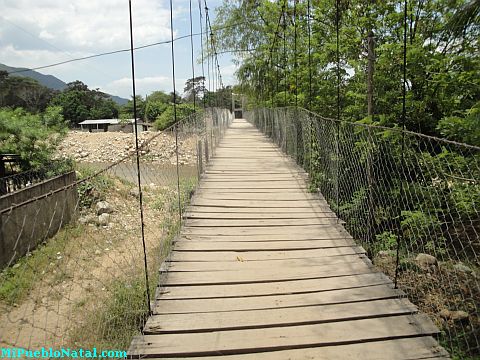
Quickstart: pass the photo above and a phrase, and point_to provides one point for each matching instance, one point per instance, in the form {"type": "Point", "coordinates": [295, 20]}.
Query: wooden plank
{"type": "Point", "coordinates": [312, 204]}
{"type": "Point", "coordinates": [417, 348]}
{"type": "Point", "coordinates": [266, 318]}
{"type": "Point", "coordinates": [240, 264]}
{"type": "Point", "coordinates": [258, 196]}
{"type": "Point", "coordinates": [265, 230]}
{"type": "Point", "coordinates": [259, 191]}
{"type": "Point", "coordinates": [260, 245]}
{"type": "Point", "coordinates": [188, 306]}
{"type": "Point", "coordinates": [263, 185]}
{"type": "Point", "coordinates": [256, 211]}
{"type": "Point", "coordinates": [263, 268]}
{"type": "Point", "coordinates": [264, 255]}
{"type": "Point", "coordinates": [267, 275]}
{"type": "Point", "coordinates": [229, 215]}
{"type": "Point", "coordinates": [257, 340]}
{"type": "Point", "coordinates": [326, 234]}
{"type": "Point", "coordinates": [232, 223]}
{"type": "Point", "coordinates": [273, 288]}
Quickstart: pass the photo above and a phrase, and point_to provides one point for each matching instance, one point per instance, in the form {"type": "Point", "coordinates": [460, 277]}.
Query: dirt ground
{"type": "Point", "coordinates": [79, 277]}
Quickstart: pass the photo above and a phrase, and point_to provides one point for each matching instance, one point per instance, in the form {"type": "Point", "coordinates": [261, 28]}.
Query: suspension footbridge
{"type": "Point", "coordinates": [263, 269]}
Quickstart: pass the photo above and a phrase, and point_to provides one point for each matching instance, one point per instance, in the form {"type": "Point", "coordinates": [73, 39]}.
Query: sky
{"type": "Point", "coordinates": [35, 33]}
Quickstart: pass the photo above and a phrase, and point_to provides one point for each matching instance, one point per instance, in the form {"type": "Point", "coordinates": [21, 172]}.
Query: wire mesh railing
{"type": "Point", "coordinates": [14, 182]}
{"type": "Point", "coordinates": [72, 271]}
{"type": "Point", "coordinates": [398, 190]}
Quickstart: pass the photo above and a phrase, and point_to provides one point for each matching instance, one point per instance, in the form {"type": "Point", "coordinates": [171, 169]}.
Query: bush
{"type": "Point", "coordinates": [26, 135]}
{"type": "Point", "coordinates": [166, 119]}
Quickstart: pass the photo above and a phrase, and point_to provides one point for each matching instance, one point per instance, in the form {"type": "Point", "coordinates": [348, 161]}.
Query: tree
{"type": "Point", "coordinates": [53, 118]}
{"type": "Point", "coordinates": [167, 118]}
{"type": "Point", "coordinates": [127, 109]}
{"type": "Point", "coordinates": [194, 89]}
{"type": "Point", "coordinates": [156, 103]}
{"type": "Point", "coordinates": [23, 92]}
{"type": "Point", "coordinates": [442, 68]}
{"type": "Point", "coordinates": [80, 103]}
{"type": "Point", "coordinates": [26, 135]}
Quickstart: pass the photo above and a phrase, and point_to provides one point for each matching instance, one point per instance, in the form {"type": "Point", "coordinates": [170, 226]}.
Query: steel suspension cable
{"type": "Point", "coordinates": [137, 156]}
{"type": "Point", "coordinates": [192, 60]}
{"type": "Point", "coordinates": [404, 120]}
{"type": "Point", "coordinates": [201, 46]}
{"type": "Point", "coordinates": [295, 65]}
{"type": "Point", "coordinates": [284, 54]}
{"type": "Point", "coordinates": [337, 142]}
{"type": "Point", "coordinates": [175, 112]}
{"type": "Point", "coordinates": [309, 55]}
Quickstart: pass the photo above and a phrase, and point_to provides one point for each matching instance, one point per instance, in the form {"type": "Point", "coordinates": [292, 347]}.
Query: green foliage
{"type": "Point", "coordinates": [167, 118]}
{"type": "Point", "coordinates": [124, 312]}
{"type": "Point", "coordinates": [154, 109]}
{"type": "Point", "coordinates": [26, 134]}
{"type": "Point", "coordinates": [127, 109]}
{"type": "Point", "coordinates": [423, 231]}
{"type": "Point", "coordinates": [94, 188]}
{"type": "Point", "coordinates": [80, 103]}
{"type": "Point", "coordinates": [464, 129]}
{"type": "Point", "coordinates": [442, 67]}
{"type": "Point", "coordinates": [23, 92]}
{"type": "Point", "coordinates": [194, 88]}
{"type": "Point", "coordinates": [385, 241]}
{"type": "Point", "coordinates": [53, 118]}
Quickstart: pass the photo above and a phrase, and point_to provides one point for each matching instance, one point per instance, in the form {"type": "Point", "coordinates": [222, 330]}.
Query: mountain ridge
{"type": "Point", "coordinates": [48, 81]}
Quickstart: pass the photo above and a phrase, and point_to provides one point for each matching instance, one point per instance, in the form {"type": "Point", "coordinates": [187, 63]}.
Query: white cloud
{"type": "Point", "coordinates": [90, 26]}
{"type": "Point", "coordinates": [143, 86]}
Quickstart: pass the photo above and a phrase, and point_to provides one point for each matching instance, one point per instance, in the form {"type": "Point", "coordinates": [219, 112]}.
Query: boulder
{"type": "Point", "coordinates": [103, 219]}
{"type": "Point", "coordinates": [462, 268]}
{"type": "Point", "coordinates": [87, 219]}
{"type": "Point", "coordinates": [453, 315]}
{"type": "Point", "coordinates": [134, 192]}
{"type": "Point", "coordinates": [426, 260]}
{"type": "Point", "coordinates": [103, 207]}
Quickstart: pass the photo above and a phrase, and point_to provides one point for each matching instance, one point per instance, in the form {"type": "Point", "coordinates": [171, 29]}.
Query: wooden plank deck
{"type": "Point", "coordinates": [263, 270]}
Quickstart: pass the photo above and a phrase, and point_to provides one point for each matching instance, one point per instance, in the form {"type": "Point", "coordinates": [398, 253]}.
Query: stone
{"type": "Point", "coordinates": [103, 207]}
{"type": "Point", "coordinates": [134, 192]}
{"type": "Point", "coordinates": [426, 260]}
{"type": "Point", "coordinates": [384, 253]}
{"type": "Point", "coordinates": [97, 252]}
{"type": "Point", "coordinates": [103, 219]}
{"type": "Point", "coordinates": [87, 219]}
{"type": "Point", "coordinates": [453, 315]}
{"type": "Point", "coordinates": [462, 268]}
{"type": "Point", "coordinates": [458, 315]}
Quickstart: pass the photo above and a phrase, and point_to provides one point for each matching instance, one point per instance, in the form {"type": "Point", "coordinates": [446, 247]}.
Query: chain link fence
{"type": "Point", "coordinates": [74, 259]}
{"type": "Point", "coordinates": [412, 201]}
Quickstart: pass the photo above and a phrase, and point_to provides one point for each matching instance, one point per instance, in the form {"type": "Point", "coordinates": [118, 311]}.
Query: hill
{"type": "Point", "coordinates": [48, 81]}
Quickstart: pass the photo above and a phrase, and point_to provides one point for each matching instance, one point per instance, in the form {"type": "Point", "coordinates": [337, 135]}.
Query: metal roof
{"type": "Point", "coordinates": [107, 121]}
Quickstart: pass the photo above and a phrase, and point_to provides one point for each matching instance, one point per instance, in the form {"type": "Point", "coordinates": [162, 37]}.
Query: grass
{"type": "Point", "coordinates": [93, 189]}
{"type": "Point", "coordinates": [116, 319]}
{"type": "Point", "coordinates": [16, 281]}
{"type": "Point", "coordinates": [112, 317]}
{"type": "Point", "coordinates": [113, 321]}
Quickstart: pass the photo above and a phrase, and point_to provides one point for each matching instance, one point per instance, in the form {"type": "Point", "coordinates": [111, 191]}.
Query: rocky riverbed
{"type": "Point", "coordinates": [107, 147]}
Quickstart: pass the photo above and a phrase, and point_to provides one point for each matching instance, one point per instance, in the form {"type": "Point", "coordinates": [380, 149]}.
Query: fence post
{"type": "Point", "coordinates": [337, 170]}
{"type": "Point", "coordinates": [200, 158]}
{"type": "Point", "coordinates": [206, 150]}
